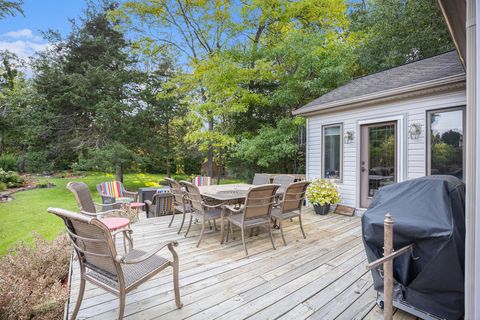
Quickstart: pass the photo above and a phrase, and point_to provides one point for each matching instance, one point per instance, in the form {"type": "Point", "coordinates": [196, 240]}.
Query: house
{"type": "Point", "coordinates": [394, 125]}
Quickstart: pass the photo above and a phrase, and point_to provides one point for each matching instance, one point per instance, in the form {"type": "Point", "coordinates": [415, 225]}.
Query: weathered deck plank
{"type": "Point", "coordinates": [321, 277]}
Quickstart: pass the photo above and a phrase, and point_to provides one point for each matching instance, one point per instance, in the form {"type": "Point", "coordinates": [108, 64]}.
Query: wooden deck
{"type": "Point", "coordinates": [321, 277]}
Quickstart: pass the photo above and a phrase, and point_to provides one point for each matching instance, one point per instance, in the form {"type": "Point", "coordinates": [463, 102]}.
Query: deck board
{"type": "Point", "coordinates": [321, 277]}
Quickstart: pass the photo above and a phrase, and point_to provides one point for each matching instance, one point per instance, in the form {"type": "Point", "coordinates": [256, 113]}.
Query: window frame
{"type": "Point", "coordinates": [339, 124]}
{"type": "Point", "coordinates": [428, 136]}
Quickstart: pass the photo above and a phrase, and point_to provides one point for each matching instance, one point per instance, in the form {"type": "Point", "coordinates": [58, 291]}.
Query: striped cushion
{"type": "Point", "coordinates": [165, 204]}
{"type": "Point", "coordinates": [112, 188]}
{"type": "Point", "coordinates": [202, 181]}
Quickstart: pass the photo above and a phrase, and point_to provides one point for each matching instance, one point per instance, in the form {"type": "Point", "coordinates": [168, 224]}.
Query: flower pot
{"type": "Point", "coordinates": [323, 210]}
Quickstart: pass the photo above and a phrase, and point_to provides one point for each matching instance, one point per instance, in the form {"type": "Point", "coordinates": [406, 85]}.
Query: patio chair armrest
{"type": "Point", "coordinates": [148, 202]}
{"type": "Point", "coordinates": [117, 212]}
{"type": "Point", "coordinates": [169, 244]}
{"type": "Point", "coordinates": [233, 209]}
{"type": "Point", "coordinates": [131, 194]}
{"type": "Point", "coordinates": [91, 214]}
{"type": "Point", "coordinates": [123, 230]}
{"type": "Point", "coordinates": [213, 206]}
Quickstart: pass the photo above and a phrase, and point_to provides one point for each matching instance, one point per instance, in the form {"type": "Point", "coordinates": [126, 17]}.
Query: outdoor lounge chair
{"type": "Point", "coordinates": [179, 203]}
{"type": "Point", "coordinates": [261, 178]}
{"type": "Point", "coordinates": [291, 206]}
{"type": "Point", "coordinates": [161, 204]}
{"type": "Point", "coordinates": [101, 265]}
{"type": "Point", "coordinates": [202, 181]}
{"type": "Point", "coordinates": [256, 212]}
{"type": "Point", "coordinates": [199, 209]}
{"type": "Point", "coordinates": [113, 191]}
{"type": "Point", "coordinates": [111, 218]}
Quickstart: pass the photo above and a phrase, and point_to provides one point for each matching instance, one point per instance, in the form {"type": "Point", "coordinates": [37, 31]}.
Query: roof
{"type": "Point", "coordinates": [440, 69]}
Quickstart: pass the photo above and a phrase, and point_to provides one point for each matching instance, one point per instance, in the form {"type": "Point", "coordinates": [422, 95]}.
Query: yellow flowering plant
{"type": "Point", "coordinates": [323, 191]}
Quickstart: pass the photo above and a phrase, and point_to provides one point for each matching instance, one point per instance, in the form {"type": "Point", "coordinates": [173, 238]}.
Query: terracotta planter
{"type": "Point", "coordinates": [322, 210]}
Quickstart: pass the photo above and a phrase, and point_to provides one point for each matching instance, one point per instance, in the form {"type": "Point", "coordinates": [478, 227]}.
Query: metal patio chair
{"type": "Point", "coordinates": [101, 265]}
{"type": "Point", "coordinates": [179, 202]}
{"type": "Point", "coordinates": [284, 180]}
{"type": "Point", "coordinates": [200, 209]}
{"type": "Point", "coordinates": [261, 178]}
{"type": "Point", "coordinates": [160, 205]}
{"type": "Point", "coordinates": [291, 206]}
{"type": "Point", "coordinates": [256, 212]}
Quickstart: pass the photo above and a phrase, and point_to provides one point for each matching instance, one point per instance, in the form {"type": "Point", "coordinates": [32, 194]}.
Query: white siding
{"type": "Point", "coordinates": [410, 110]}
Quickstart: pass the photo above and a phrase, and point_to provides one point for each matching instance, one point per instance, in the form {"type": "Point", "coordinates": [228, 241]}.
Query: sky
{"type": "Point", "coordinates": [22, 34]}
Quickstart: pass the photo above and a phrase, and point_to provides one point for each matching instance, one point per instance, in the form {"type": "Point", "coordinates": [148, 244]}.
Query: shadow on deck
{"type": "Point", "coordinates": [321, 277]}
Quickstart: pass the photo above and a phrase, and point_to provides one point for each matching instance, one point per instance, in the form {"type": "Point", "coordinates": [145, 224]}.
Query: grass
{"type": "Point", "coordinates": [27, 214]}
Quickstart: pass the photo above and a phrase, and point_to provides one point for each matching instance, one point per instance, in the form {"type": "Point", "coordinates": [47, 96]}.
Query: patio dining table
{"type": "Point", "coordinates": [229, 193]}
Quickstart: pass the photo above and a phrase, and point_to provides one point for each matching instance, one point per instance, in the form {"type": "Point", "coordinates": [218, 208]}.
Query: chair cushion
{"type": "Point", "coordinates": [112, 188]}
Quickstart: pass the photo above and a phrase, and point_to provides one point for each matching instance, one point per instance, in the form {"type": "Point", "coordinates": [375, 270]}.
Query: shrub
{"type": "Point", "coordinates": [33, 280]}
{"type": "Point", "coordinates": [8, 162]}
{"type": "Point", "coordinates": [323, 191]}
{"type": "Point", "coordinates": [11, 178]}
{"type": "Point", "coordinates": [3, 186]}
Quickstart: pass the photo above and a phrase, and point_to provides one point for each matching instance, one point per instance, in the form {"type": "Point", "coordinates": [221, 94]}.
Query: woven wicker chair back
{"type": "Point", "coordinates": [261, 178]}
{"type": "Point", "coordinates": [202, 181]}
{"type": "Point", "coordinates": [294, 196]}
{"type": "Point", "coordinates": [92, 242]}
{"type": "Point", "coordinates": [194, 196]}
{"type": "Point", "coordinates": [176, 190]}
{"type": "Point", "coordinates": [259, 201]}
{"type": "Point", "coordinates": [284, 180]}
{"type": "Point", "coordinates": [83, 196]}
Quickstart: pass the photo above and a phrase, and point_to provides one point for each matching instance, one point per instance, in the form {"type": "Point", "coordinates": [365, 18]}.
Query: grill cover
{"type": "Point", "coordinates": [429, 212]}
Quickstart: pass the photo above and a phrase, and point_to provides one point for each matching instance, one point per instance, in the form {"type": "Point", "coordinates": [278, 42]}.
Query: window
{"type": "Point", "coordinates": [332, 151]}
{"type": "Point", "coordinates": [445, 151]}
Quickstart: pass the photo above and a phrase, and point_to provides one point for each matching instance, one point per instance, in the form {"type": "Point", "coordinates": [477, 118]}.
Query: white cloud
{"type": "Point", "coordinates": [23, 48]}
{"type": "Point", "coordinates": [21, 33]}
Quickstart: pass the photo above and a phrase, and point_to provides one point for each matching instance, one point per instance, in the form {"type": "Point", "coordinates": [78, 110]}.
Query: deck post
{"type": "Point", "coordinates": [388, 268]}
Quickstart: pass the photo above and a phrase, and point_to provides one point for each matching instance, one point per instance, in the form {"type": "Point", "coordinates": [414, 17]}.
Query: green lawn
{"type": "Point", "coordinates": [27, 214]}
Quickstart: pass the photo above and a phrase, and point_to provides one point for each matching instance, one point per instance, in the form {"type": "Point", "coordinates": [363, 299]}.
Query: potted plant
{"type": "Point", "coordinates": [322, 193]}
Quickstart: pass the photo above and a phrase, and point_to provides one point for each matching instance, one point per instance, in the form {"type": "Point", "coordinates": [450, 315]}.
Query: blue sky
{"type": "Point", "coordinates": [22, 34]}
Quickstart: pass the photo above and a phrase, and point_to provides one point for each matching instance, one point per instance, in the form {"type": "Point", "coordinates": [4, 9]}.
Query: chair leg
{"type": "Point", "coordinates": [281, 232]}
{"type": "Point", "coordinates": [243, 240]}
{"type": "Point", "coordinates": [201, 232]}
{"type": "Point", "coordinates": [171, 220]}
{"type": "Point", "coordinates": [301, 226]}
{"type": "Point", "coordinates": [183, 221]}
{"type": "Point", "coordinates": [121, 309]}
{"type": "Point", "coordinates": [209, 224]}
{"type": "Point", "coordinates": [79, 299]}
{"type": "Point", "coordinates": [228, 230]}
{"type": "Point", "coordinates": [215, 225]}
{"type": "Point", "coordinates": [233, 234]}
{"type": "Point", "coordinates": [176, 285]}
{"type": "Point", "coordinates": [189, 225]}
{"type": "Point", "coordinates": [271, 237]}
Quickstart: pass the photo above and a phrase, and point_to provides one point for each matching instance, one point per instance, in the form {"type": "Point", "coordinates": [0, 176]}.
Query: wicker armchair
{"type": "Point", "coordinates": [101, 265]}
{"type": "Point", "coordinates": [112, 191]}
{"type": "Point", "coordinates": [88, 207]}
{"type": "Point", "coordinates": [291, 205]}
{"type": "Point", "coordinates": [179, 202]}
{"type": "Point", "coordinates": [254, 213]}
{"type": "Point", "coordinates": [261, 178]}
{"type": "Point", "coordinates": [199, 209]}
{"type": "Point", "coordinates": [161, 204]}
{"type": "Point", "coordinates": [202, 181]}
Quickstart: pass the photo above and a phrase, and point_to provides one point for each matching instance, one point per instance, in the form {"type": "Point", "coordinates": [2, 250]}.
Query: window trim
{"type": "Point", "coordinates": [428, 136]}
{"type": "Point", "coordinates": [339, 124]}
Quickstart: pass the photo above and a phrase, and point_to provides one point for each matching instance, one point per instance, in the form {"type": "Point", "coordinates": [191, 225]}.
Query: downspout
{"type": "Point", "coordinates": [472, 286]}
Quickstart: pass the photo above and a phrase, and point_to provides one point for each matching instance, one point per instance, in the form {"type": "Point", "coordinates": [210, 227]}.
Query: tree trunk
{"type": "Point", "coordinates": [210, 150]}
{"type": "Point", "coordinates": [119, 173]}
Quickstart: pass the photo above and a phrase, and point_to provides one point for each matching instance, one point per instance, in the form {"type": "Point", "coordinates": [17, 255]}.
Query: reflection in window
{"type": "Point", "coordinates": [332, 152]}
{"type": "Point", "coordinates": [446, 142]}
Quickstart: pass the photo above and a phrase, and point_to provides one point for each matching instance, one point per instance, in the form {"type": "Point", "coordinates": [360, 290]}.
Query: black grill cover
{"type": "Point", "coordinates": [429, 212]}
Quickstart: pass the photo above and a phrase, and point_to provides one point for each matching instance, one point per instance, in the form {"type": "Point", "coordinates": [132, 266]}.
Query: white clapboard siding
{"type": "Point", "coordinates": [411, 110]}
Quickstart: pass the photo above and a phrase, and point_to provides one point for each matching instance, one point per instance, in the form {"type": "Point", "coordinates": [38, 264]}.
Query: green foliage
{"type": "Point", "coordinates": [11, 178]}
{"type": "Point", "coordinates": [37, 161]}
{"type": "Point", "coordinates": [10, 8]}
{"type": "Point", "coordinates": [323, 191]}
{"type": "Point", "coordinates": [8, 162]}
{"type": "Point", "coordinates": [3, 186]}
{"type": "Point", "coordinates": [397, 32]}
{"type": "Point", "coordinates": [272, 147]}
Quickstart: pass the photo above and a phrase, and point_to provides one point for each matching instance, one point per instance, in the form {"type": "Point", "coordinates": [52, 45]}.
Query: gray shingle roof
{"type": "Point", "coordinates": [433, 68]}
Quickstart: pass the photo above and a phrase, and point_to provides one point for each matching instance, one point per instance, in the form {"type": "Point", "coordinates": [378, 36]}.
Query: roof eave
{"type": "Point", "coordinates": [423, 88]}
